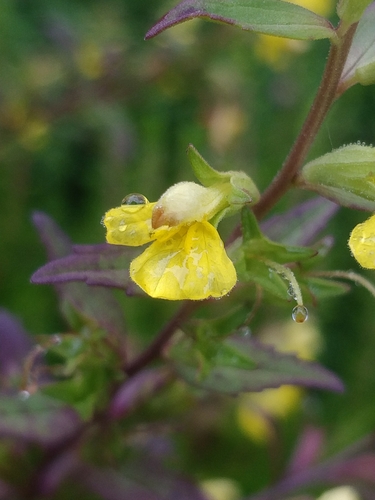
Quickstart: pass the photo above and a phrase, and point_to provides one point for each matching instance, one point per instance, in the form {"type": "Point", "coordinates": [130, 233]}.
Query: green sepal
{"type": "Point", "coordinates": [241, 188]}
{"type": "Point", "coordinates": [345, 176]}
{"type": "Point", "coordinates": [351, 11]}
{"type": "Point", "coordinates": [259, 247]}
{"type": "Point", "coordinates": [261, 261]}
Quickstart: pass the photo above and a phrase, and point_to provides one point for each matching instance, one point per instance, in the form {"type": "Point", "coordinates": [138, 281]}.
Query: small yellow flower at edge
{"type": "Point", "coordinates": [186, 259]}
{"type": "Point", "coordinates": [362, 243]}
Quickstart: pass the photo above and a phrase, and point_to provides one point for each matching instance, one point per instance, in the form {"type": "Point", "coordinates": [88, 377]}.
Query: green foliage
{"type": "Point", "coordinates": [121, 396]}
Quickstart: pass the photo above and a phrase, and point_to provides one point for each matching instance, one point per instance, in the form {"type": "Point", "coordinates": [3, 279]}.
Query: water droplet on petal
{"type": "Point", "coordinates": [300, 314]}
{"type": "Point", "coordinates": [122, 226]}
{"type": "Point", "coordinates": [134, 199]}
{"type": "Point", "coordinates": [23, 395]}
{"type": "Point", "coordinates": [291, 292]}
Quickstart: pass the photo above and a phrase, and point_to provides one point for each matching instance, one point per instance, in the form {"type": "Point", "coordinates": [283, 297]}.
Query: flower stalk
{"type": "Point", "coordinates": [324, 98]}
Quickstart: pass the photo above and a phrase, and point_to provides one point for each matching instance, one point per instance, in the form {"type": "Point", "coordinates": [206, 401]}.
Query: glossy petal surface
{"type": "Point", "coordinates": [362, 243]}
{"type": "Point", "coordinates": [129, 225]}
{"type": "Point", "coordinates": [187, 262]}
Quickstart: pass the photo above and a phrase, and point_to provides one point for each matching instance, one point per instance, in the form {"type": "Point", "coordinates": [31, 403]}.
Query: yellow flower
{"type": "Point", "coordinates": [362, 243]}
{"type": "Point", "coordinates": [186, 259]}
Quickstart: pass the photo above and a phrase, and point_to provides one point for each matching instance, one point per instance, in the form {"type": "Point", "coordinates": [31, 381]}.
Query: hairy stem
{"type": "Point", "coordinates": [323, 100]}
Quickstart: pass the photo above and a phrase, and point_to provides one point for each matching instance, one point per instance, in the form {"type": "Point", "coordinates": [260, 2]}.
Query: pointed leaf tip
{"type": "Point", "coordinates": [272, 17]}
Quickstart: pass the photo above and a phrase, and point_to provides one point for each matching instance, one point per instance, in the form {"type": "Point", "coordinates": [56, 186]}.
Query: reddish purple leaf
{"type": "Point", "coordinates": [98, 265]}
{"type": "Point", "coordinates": [37, 419]}
{"type": "Point", "coordinates": [136, 390]}
{"type": "Point", "coordinates": [243, 365]}
{"type": "Point", "coordinates": [272, 17]}
{"type": "Point", "coordinates": [97, 304]}
{"type": "Point", "coordinates": [302, 224]}
{"type": "Point", "coordinates": [140, 480]}
{"type": "Point", "coordinates": [15, 345]}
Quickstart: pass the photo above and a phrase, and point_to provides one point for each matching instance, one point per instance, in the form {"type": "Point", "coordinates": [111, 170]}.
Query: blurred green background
{"type": "Point", "coordinates": [90, 112]}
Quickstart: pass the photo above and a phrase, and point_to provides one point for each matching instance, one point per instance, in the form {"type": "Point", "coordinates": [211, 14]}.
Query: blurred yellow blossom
{"type": "Point", "coordinates": [89, 60]}
{"type": "Point", "coordinates": [273, 50]}
{"type": "Point", "coordinates": [220, 489]}
{"type": "Point", "coordinates": [362, 243]}
{"type": "Point", "coordinates": [340, 493]}
{"type": "Point", "coordinates": [257, 411]}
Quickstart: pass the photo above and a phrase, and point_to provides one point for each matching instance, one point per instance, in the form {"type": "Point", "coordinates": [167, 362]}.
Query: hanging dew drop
{"type": "Point", "coordinates": [244, 331]}
{"type": "Point", "coordinates": [134, 199]}
{"type": "Point", "coordinates": [56, 339]}
{"type": "Point", "coordinates": [24, 395]}
{"type": "Point", "coordinates": [300, 314]}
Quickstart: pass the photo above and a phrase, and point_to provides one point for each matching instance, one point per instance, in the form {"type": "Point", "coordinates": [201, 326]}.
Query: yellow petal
{"type": "Point", "coordinates": [362, 243]}
{"type": "Point", "coordinates": [187, 263]}
{"type": "Point", "coordinates": [129, 225]}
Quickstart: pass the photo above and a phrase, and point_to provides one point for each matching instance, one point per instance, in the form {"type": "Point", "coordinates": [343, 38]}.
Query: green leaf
{"type": "Point", "coordinates": [258, 246]}
{"type": "Point", "coordinates": [258, 259]}
{"type": "Point", "coordinates": [272, 17]}
{"type": "Point", "coordinates": [241, 364]}
{"type": "Point", "coordinates": [360, 64]}
{"type": "Point", "coordinates": [260, 273]}
{"type": "Point", "coordinates": [345, 176]}
{"type": "Point", "coordinates": [322, 288]}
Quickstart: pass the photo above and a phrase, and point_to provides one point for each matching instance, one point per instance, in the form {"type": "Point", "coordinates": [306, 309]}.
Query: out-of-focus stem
{"type": "Point", "coordinates": [153, 351]}
{"type": "Point", "coordinates": [323, 100]}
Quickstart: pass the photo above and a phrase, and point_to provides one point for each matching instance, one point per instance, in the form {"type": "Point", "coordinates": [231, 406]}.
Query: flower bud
{"type": "Point", "coordinates": [242, 189]}
{"type": "Point", "coordinates": [350, 11]}
{"type": "Point", "coordinates": [360, 63]}
{"type": "Point", "coordinates": [187, 202]}
{"type": "Point", "coordinates": [345, 176]}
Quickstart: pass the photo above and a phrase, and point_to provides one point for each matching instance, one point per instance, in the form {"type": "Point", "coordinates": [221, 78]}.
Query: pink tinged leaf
{"type": "Point", "coordinates": [245, 365]}
{"type": "Point", "coordinates": [37, 419]}
{"type": "Point", "coordinates": [359, 468]}
{"type": "Point", "coordinates": [96, 265]}
{"type": "Point", "coordinates": [272, 17]}
{"type": "Point", "coordinates": [302, 224]}
{"type": "Point", "coordinates": [141, 480]}
{"type": "Point", "coordinates": [307, 451]}
{"type": "Point", "coordinates": [15, 345]}
{"type": "Point", "coordinates": [56, 471]}
{"type": "Point", "coordinates": [136, 390]}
